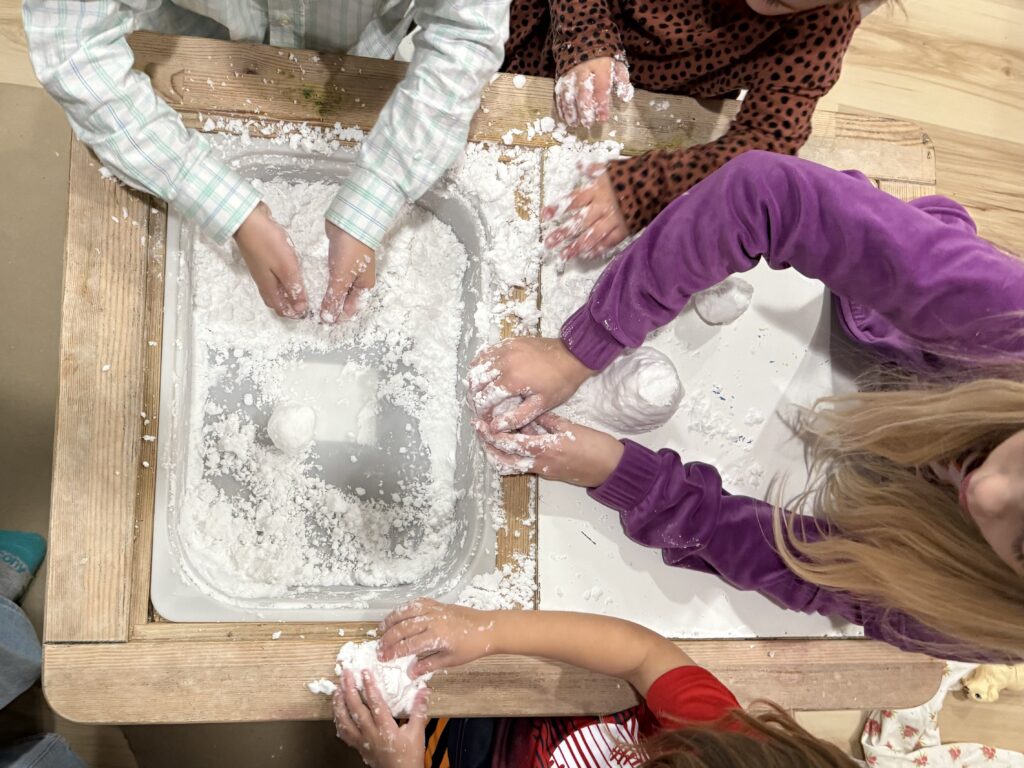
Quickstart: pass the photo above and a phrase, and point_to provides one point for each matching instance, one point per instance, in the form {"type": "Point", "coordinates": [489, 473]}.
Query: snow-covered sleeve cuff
{"type": "Point", "coordinates": [366, 206]}
{"type": "Point", "coordinates": [217, 198]}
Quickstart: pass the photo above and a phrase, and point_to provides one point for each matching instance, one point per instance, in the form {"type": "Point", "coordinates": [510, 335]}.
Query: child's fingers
{"type": "Point", "coordinates": [602, 92]}
{"type": "Point", "coordinates": [431, 663]}
{"type": "Point", "coordinates": [422, 645]}
{"type": "Point", "coordinates": [357, 710]}
{"type": "Point", "coordinates": [523, 414]}
{"type": "Point", "coordinates": [290, 279]}
{"type": "Point", "coordinates": [267, 285]}
{"type": "Point", "coordinates": [344, 728]}
{"type": "Point", "coordinates": [418, 717]}
{"type": "Point", "coordinates": [584, 245]}
{"type": "Point", "coordinates": [334, 299]}
{"type": "Point", "coordinates": [565, 207]}
{"type": "Point", "coordinates": [410, 610]}
{"type": "Point", "coordinates": [554, 423]}
{"type": "Point", "coordinates": [612, 238]}
{"type": "Point", "coordinates": [379, 710]}
{"type": "Point", "coordinates": [405, 630]}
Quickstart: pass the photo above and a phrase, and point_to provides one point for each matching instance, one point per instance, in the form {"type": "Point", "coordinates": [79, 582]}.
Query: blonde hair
{"type": "Point", "coordinates": [766, 737]}
{"type": "Point", "coordinates": [902, 541]}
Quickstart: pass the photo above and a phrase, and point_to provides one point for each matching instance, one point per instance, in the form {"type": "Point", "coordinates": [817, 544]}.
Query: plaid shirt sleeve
{"type": "Point", "coordinates": [82, 58]}
{"type": "Point", "coordinates": [424, 125]}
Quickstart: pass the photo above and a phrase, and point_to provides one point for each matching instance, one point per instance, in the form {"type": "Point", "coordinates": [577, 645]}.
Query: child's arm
{"type": "Point", "coordinates": [423, 126]}
{"type": "Point", "coordinates": [82, 58]}
{"type": "Point", "coordinates": [449, 635]}
{"type": "Point", "coordinates": [683, 510]}
{"type": "Point", "coordinates": [785, 80]}
{"type": "Point", "coordinates": [938, 283]}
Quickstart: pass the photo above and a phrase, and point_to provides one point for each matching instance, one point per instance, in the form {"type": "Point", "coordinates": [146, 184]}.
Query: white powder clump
{"type": "Point", "coordinates": [323, 685]}
{"type": "Point", "coordinates": [291, 427]}
{"type": "Point", "coordinates": [723, 303]}
{"type": "Point", "coordinates": [511, 586]}
{"type": "Point", "coordinates": [519, 81]}
{"type": "Point", "coordinates": [393, 678]}
{"type": "Point", "coordinates": [638, 392]}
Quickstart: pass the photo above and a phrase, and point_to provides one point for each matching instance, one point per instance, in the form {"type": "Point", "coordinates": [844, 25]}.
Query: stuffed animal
{"type": "Point", "coordinates": [987, 680]}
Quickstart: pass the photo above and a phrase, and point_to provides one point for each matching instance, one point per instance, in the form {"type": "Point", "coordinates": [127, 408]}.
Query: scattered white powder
{"type": "Point", "coordinates": [259, 522]}
{"type": "Point", "coordinates": [639, 392]}
{"type": "Point", "coordinates": [291, 426]}
{"type": "Point", "coordinates": [724, 303]}
{"type": "Point", "coordinates": [519, 81]}
{"type": "Point", "coordinates": [276, 635]}
{"type": "Point", "coordinates": [507, 587]}
{"type": "Point", "coordinates": [396, 685]}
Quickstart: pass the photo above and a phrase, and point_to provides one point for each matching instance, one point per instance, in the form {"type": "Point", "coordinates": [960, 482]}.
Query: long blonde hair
{"type": "Point", "coordinates": [902, 541]}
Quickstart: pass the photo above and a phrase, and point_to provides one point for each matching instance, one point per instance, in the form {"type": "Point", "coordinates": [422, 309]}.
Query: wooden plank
{"type": "Point", "coordinates": [877, 146]}
{"type": "Point", "coordinates": [142, 549]}
{"type": "Point", "coordinates": [248, 80]}
{"type": "Point", "coordinates": [97, 445]}
{"type": "Point", "coordinates": [235, 682]}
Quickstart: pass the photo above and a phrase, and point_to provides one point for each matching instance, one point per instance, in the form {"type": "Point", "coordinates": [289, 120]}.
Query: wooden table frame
{"type": "Point", "coordinates": [109, 658]}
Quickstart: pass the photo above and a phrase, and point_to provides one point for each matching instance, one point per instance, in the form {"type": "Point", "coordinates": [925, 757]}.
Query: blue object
{"type": "Point", "coordinates": [21, 550]}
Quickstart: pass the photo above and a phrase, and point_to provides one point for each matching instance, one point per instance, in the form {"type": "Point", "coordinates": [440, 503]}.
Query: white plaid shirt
{"type": "Point", "coordinates": [82, 58]}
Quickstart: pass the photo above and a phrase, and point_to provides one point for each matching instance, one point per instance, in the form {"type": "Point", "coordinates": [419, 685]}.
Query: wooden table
{"type": "Point", "coordinates": [109, 658]}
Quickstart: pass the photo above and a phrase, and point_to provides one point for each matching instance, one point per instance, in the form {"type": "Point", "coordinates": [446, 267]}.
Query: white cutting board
{"type": "Point", "coordinates": [778, 353]}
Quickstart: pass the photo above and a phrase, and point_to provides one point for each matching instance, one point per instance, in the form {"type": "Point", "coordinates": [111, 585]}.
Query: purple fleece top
{"type": "Point", "coordinates": [911, 281]}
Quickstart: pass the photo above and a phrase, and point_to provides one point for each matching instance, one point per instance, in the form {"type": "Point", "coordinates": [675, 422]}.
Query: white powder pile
{"type": "Point", "coordinates": [723, 303]}
{"type": "Point", "coordinates": [508, 587]}
{"type": "Point", "coordinates": [639, 392]}
{"type": "Point", "coordinates": [393, 678]}
{"type": "Point", "coordinates": [260, 521]}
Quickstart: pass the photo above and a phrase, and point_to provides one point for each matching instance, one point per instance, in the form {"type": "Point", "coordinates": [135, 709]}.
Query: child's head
{"type": "Point", "coordinates": [763, 738]}
{"type": "Point", "coordinates": [945, 548]}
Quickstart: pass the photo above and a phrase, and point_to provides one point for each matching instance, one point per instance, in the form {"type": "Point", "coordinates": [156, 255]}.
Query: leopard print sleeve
{"type": "Point", "coordinates": [581, 31]}
{"type": "Point", "coordinates": [787, 78]}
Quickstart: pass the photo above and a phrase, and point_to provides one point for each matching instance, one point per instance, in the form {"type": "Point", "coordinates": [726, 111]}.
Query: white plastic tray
{"type": "Point", "coordinates": [179, 592]}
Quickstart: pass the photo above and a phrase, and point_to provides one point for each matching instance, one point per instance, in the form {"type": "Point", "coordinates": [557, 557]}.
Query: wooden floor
{"type": "Point", "coordinates": [956, 68]}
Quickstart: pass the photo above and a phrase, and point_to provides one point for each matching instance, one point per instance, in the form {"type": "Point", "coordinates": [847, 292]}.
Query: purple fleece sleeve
{"type": "Point", "coordinates": [683, 510]}
{"type": "Point", "coordinates": [940, 285]}
{"type": "Point", "coordinates": [916, 275]}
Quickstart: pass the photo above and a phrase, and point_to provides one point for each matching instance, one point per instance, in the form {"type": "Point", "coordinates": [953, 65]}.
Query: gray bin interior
{"type": "Point", "coordinates": [179, 591]}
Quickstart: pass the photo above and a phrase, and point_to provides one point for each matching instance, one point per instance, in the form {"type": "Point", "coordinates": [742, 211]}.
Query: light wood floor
{"type": "Point", "coordinates": [955, 67]}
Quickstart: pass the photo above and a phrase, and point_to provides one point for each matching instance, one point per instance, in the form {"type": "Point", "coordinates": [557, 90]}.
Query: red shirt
{"type": "Point", "coordinates": [682, 695]}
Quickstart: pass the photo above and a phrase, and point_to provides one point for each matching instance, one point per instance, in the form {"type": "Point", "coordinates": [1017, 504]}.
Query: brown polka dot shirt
{"type": "Point", "coordinates": [699, 48]}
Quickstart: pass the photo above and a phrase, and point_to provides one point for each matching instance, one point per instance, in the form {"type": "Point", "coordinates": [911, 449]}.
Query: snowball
{"type": "Point", "coordinates": [392, 677]}
{"type": "Point", "coordinates": [519, 81]}
{"type": "Point", "coordinates": [291, 427]}
{"type": "Point", "coordinates": [637, 393]}
{"type": "Point", "coordinates": [723, 303]}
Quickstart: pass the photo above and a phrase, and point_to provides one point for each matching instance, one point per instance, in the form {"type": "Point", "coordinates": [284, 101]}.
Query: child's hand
{"type": "Point", "coordinates": [587, 223]}
{"type": "Point", "coordinates": [441, 635]}
{"type": "Point", "coordinates": [353, 269]}
{"type": "Point", "coordinates": [583, 94]}
{"type": "Point", "coordinates": [370, 729]}
{"type": "Point", "coordinates": [554, 448]}
{"type": "Point", "coordinates": [541, 373]}
{"type": "Point", "coordinates": [272, 262]}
